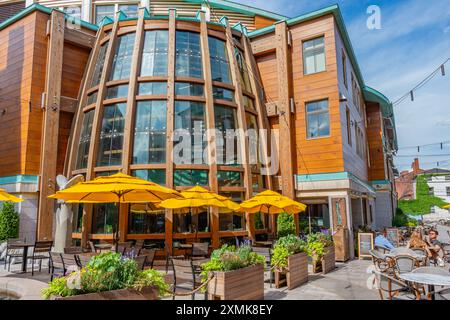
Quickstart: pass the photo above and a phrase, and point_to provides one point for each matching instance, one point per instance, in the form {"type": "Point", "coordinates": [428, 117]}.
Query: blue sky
{"type": "Point", "coordinates": [414, 39]}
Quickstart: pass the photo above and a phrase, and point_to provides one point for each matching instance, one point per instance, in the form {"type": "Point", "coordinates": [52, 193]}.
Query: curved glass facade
{"type": "Point", "coordinates": [138, 129]}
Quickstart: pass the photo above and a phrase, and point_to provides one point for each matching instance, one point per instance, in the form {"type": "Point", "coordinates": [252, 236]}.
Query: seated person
{"type": "Point", "coordinates": [382, 241]}
{"type": "Point", "coordinates": [416, 241]}
{"type": "Point", "coordinates": [435, 247]}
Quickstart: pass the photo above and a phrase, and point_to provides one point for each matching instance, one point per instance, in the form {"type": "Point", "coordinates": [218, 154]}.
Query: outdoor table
{"type": "Point", "coordinates": [24, 246]}
{"type": "Point", "coordinates": [429, 279]}
{"type": "Point", "coordinates": [103, 246]}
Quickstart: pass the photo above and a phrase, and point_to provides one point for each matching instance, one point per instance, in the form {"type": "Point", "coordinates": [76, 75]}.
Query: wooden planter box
{"type": "Point", "coordinates": [148, 293]}
{"type": "Point", "coordinates": [241, 284]}
{"type": "Point", "coordinates": [297, 273]}
{"type": "Point", "coordinates": [328, 262]}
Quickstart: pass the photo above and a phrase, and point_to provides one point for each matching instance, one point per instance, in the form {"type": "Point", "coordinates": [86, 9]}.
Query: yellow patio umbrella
{"type": "Point", "coordinates": [446, 206]}
{"type": "Point", "coordinates": [117, 188]}
{"type": "Point", "coordinates": [271, 202]}
{"type": "Point", "coordinates": [5, 196]}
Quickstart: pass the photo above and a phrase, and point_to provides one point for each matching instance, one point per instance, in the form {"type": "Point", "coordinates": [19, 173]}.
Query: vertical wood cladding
{"type": "Point", "coordinates": [375, 138]}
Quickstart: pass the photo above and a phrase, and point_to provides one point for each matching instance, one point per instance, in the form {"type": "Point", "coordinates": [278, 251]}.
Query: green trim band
{"type": "Point", "coordinates": [332, 176]}
{"type": "Point", "coordinates": [20, 178]}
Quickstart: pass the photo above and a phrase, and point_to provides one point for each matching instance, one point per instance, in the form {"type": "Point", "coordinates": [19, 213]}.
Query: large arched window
{"type": "Point", "coordinates": [97, 74]}
{"type": "Point", "coordinates": [85, 140]}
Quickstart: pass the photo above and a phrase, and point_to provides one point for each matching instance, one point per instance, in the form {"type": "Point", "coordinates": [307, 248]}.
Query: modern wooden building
{"type": "Point", "coordinates": [176, 64]}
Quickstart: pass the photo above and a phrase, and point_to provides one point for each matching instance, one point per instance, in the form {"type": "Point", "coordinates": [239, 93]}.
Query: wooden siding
{"type": "Point", "coordinates": [375, 138]}
{"type": "Point", "coordinates": [17, 55]}
{"type": "Point", "coordinates": [261, 22]}
{"type": "Point", "coordinates": [7, 10]}
{"type": "Point", "coordinates": [321, 155]}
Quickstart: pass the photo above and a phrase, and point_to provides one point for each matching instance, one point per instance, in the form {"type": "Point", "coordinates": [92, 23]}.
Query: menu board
{"type": "Point", "coordinates": [365, 244]}
{"type": "Point", "coordinates": [393, 236]}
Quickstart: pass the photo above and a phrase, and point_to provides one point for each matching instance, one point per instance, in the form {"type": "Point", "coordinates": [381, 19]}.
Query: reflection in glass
{"type": "Point", "coordinates": [142, 221]}
{"type": "Point", "coordinates": [97, 74]}
{"type": "Point", "coordinates": [154, 175]}
{"type": "Point", "coordinates": [104, 218]}
{"type": "Point", "coordinates": [227, 143]}
{"type": "Point", "coordinates": [188, 55]}
{"type": "Point", "coordinates": [92, 98]}
{"type": "Point", "coordinates": [229, 178]}
{"type": "Point", "coordinates": [154, 55]}
{"type": "Point", "coordinates": [150, 132]}
{"type": "Point", "coordinates": [111, 135]}
{"type": "Point", "coordinates": [186, 178]}
{"type": "Point", "coordinates": [85, 140]}
{"type": "Point", "coordinates": [189, 89]}
{"type": "Point", "coordinates": [117, 91]}
{"type": "Point", "coordinates": [121, 65]}
{"type": "Point", "coordinates": [224, 94]}
{"type": "Point", "coordinates": [220, 69]}
{"type": "Point", "coordinates": [232, 221]}
{"type": "Point", "coordinates": [318, 120]}
{"type": "Point", "coordinates": [191, 222]}
{"type": "Point", "coordinates": [152, 88]}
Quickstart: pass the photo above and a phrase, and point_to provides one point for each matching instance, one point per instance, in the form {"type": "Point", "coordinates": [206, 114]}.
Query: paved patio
{"type": "Point", "coordinates": [347, 282]}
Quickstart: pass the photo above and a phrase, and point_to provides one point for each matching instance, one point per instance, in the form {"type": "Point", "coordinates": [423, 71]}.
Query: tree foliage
{"type": "Point", "coordinates": [424, 201]}
{"type": "Point", "coordinates": [9, 222]}
{"type": "Point", "coordinates": [285, 225]}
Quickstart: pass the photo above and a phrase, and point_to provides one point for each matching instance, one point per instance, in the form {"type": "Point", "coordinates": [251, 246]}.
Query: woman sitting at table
{"type": "Point", "coordinates": [416, 241]}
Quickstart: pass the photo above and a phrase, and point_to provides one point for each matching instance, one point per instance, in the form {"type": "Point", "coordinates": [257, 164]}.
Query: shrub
{"type": "Point", "coordinates": [285, 225]}
{"type": "Point", "coordinates": [402, 220]}
{"type": "Point", "coordinates": [228, 258]}
{"type": "Point", "coordinates": [9, 222]}
{"type": "Point", "coordinates": [105, 272]}
{"type": "Point", "coordinates": [285, 247]}
{"type": "Point", "coordinates": [316, 244]}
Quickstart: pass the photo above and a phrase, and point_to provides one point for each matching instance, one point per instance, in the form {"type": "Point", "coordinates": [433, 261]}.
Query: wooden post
{"type": "Point", "coordinates": [96, 126]}
{"type": "Point", "coordinates": [129, 117]}
{"type": "Point", "coordinates": [49, 148]}
{"type": "Point", "coordinates": [170, 121]}
{"type": "Point", "coordinates": [242, 124]}
{"type": "Point", "coordinates": [210, 126]}
{"type": "Point", "coordinates": [284, 107]}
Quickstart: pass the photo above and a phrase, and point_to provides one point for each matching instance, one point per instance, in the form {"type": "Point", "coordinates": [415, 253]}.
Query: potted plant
{"type": "Point", "coordinates": [108, 276]}
{"type": "Point", "coordinates": [290, 261]}
{"type": "Point", "coordinates": [321, 250]}
{"type": "Point", "coordinates": [234, 274]}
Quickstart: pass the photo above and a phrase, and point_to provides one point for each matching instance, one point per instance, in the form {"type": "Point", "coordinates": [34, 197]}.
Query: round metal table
{"type": "Point", "coordinates": [429, 279]}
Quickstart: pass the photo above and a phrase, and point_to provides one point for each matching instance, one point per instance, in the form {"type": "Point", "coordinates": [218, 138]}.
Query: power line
{"type": "Point", "coordinates": [422, 83]}
{"type": "Point", "coordinates": [441, 144]}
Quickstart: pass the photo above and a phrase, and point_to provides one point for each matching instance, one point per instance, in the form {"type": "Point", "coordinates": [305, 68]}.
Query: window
{"type": "Point", "coordinates": [92, 98]}
{"type": "Point", "coordinates": [258, 182]}
{"type": "Point", "coordinates": [154, 175]}
{"type": "Point", "coordinates": [189, 89]}
{"type": "Point", "coordinates": [117, 92]}
{"type": "Point", "coordinates": [104, 11]}
{"type": "Point", "coordinates": [314, 56]}
{"type": "Point", "coordinates": [220, 69]}
{"type": "Point", "coordinates": [154, 54]}
{"type": "Point", "coordinates": [318, 120]}
{"type": "Point", "coordinates": [223, 94]}
{"type": "Point", "coordinates": [360, 144]}
{"type": "Point", "coordinates": [131, 10]}
{"type": "Point", "coordinates": [121, 65]}
{"type": "Point", "coordinates": [150, 132]}
{"type": "Point", "coordinates": [77, 223]}
{"type": "Point", "coordinates": [229, 178]}
{"type": "Point", "coordinates": [111, 135]}
{"type": "Point", "coordinates": [74, 11]}
{"type": "Point", "coordinates": [143, 220]}
{"type": "Point", "coordinates": [317, 217]}
{"type": "Point", "coordinates": [447, 189]}
{"type": "Point", "coordinates": [104, 218]}
{"type": "Point", "coordinates": [85, 140]}
{"type": "Point", "coordinates": [227, 141]}
{"type": "Point", "coordinates": [190, 178]}
{"type": "Point", "coordinates": [191, 223]}
{"type": "Point", "coordinates": [431, 191]}
{"type": "Point", "coordinates": [236, 220]}
{"type": "Point", "coordinates": [243, 70]}
{"type": "Point", "coordinates": [153, 88]}
{"type": "Point", "coordinates": [97, 74]}
{"type": "Point", "coordinates": [188, 55]}
{"type": "Point", "coordinates": [189, 119]}
{"type": "Point", "coordinates": [344, 68]}
{"type": "Point", "coordinates": [253, 146]}
{"type": "Point", "coordinates": [349, 126]}
{"type": "Point", "coordinates": [249, 103]}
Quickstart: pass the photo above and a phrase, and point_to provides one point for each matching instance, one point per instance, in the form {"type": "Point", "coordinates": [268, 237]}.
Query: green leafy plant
{"type": "Point", "coordinates": [285, 247]}
{"type": "Point", "coordinates": [285, 225]}
{"type": "Point", "coordinates": [402, 220]}
{"type": "Point", "coordinates": [9, 222]}
{"type": "Point", "coordinates": [228, 258]}
{"type": "Point", "coordinates": [316, 244]}
{"type": "Point", "coordinates": [424, 201]}
{"type": "Point", "coordinates": [105, 272]}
